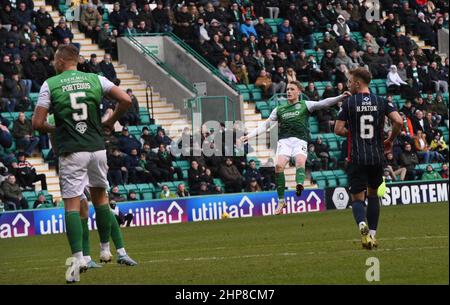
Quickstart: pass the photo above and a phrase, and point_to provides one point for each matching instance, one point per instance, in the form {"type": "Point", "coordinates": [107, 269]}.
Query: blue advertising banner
{"type": "Point", "coordinates": [173, 210]}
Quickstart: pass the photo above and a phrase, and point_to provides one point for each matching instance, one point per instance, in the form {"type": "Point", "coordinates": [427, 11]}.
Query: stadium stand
{"type": "Point", "coordinates": [219, 31]}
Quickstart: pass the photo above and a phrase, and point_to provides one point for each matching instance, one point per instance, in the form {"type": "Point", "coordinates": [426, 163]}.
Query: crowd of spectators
{"type": "Point", "coordinates": [235, 37]}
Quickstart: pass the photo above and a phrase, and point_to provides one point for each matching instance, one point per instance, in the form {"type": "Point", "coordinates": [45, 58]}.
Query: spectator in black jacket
{"type": "Point", "coordinates": [93, 65]}
{"type": "Point", "coordinates": [128, 142]}
{"type": "Point", "coordinates": [438, 81]}
{"type": "Point", "coordinates": [36, 71]}
{"type": "Point", "coordinates": [131, 163]}
{"type": "Point", "coordinates": [263, 29]}
{"type": "Point", "coordinates": [323, 153]}
{"type": "Point", "coordinates": [195, 174]}
{"type": "Point", "coordinates": [62, 31]}
{"type": "Point", "coordinates": [165, 162]}
{"type": "Point", "coordinates": [161, 138]}
{"type": "Point", "coordinates": [253, 173]}
{"type": "Point", "coordinates": [117, 171]}
{"type": "Point", "coordinates": [162, 20]}
{"type": "Point", "coordinates": [107, 68]}
{"type": "Point", "coordinates": [42, 20]}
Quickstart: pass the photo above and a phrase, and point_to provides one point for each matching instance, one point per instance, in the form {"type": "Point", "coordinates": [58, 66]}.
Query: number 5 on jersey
{"type": "Point", "coordinates": [78, 106]}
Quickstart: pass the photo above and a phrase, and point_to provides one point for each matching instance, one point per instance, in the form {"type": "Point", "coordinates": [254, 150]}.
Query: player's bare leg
{"type": "Point", "coordinates": [74, 235]}
{"type": "Point", "coordinates": [280, 182]}
{"type": "Point", "coordinates": [300, 175]}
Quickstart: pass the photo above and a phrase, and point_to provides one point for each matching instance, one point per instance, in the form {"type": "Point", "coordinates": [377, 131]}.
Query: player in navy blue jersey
{"type": "Point", "coordinates": [361, 120]}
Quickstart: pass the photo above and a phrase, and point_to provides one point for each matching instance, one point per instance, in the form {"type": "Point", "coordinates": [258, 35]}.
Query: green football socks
{"type": "Point", "coordinates": [103, 219]}
{"type": "Point", "coordinates": [74, 230]}
{"type": "Point", "coordinates": [280, 181]}
{"type": "Point", "coordinates": [300, 175]}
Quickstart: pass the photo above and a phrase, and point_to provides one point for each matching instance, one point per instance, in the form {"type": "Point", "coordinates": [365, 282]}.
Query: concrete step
{"type": "Point", "coordinates": [131, 81]}
{"type": "Point", "coordinates": [87, 54]}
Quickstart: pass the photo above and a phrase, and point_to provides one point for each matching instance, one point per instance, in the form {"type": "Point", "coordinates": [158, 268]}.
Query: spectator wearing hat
{"type": "Point", "coordinates": [12, 194]}
{"type": "Point", "coordinates": [36, 71]}
{"type": "Point", "coordinates": [90, 18]}
{"type": "Point", "coordinates": [340, 28]}
{"type": "Point", "coordinates": [62, 31]}
{"type": "Point", "coordinates": [128, 142]}
{"type": "Point", "coordinates": [327, 64]}
{"type": "Point", "coordinates": [147, 137]}
{"type": "Point", "coordinates": [93, 65]}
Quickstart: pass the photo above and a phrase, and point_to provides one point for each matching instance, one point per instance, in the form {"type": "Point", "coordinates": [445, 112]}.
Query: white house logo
{"type": "Point", "coordinates": [152, 216]}
{"type": "Point", "coordinates": [81, 127]}
{"type": "Point", "coordinates": [174, 206]}
{"type": "Point", "coordinates": [18, 227]}
{"type": "Point", "coordinates": [214, 210]}
{"type": "Point", "coordinates": [245, 201]}
{"type": "Point", "coordinates": [340, 198]}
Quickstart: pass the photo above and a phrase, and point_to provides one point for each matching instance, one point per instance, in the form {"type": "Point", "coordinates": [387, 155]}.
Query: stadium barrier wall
{"type": "Point", "coordinates": [415, 192]}
{"type": "Point", "coordinates": [175, 210]}
{"type": "Point", "coordinates": [154, 75]}
{"type": "Point", "coordinates": [443, 41]}
{"type": "Point", "coordinates": [194, 71]}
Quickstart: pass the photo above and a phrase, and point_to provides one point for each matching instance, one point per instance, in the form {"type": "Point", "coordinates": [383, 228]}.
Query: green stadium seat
{"type": "Point", "coordinates": [147, 195]}
{"type": "Point", "coordinates": [314, 128]}
{"type": "Point", "coordinates": [332, 182]}
{"type": "Point", "coordinates": [343, 181]}
{"type": "Point", "coordinates": [333, 145]}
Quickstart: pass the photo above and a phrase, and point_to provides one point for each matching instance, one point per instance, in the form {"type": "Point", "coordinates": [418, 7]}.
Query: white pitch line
{"type": "Point", "coordinates": [252, 246]}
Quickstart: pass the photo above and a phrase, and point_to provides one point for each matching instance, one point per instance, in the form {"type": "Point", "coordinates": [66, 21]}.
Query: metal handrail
{"type": "Point", "coordinates": [165, 67]}
{"type": "Point", "coordinates": [191, 51]}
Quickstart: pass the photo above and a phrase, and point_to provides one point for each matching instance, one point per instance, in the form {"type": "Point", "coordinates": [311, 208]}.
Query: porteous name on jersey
{"type": "Point", "coordinates": [76, 86]}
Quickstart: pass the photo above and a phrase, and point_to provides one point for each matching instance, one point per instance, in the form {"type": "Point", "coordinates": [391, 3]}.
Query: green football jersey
{"type": "Point", "coordinates": [293, 121]}
{"type": "Point", "coordinates": [74, 97]}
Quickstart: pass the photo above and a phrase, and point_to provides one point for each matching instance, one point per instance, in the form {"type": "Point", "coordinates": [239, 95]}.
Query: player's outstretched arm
{"type": "Point", "coordinates": [328, 102]}
{"type": "Point", "coordinates": [262, 128]}
{"type": "Point", "coordinates": [123, 103]}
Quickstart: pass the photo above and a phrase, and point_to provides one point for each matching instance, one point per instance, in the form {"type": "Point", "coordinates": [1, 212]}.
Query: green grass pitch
{"type": "Point", "coordinates": [317, 248]}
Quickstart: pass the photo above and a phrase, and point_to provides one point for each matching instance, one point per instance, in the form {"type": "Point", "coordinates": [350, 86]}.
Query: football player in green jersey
{"type": "Point", "coordinates": [293, 135]}
{"type": "Point", "coordinates": [75, 97]}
